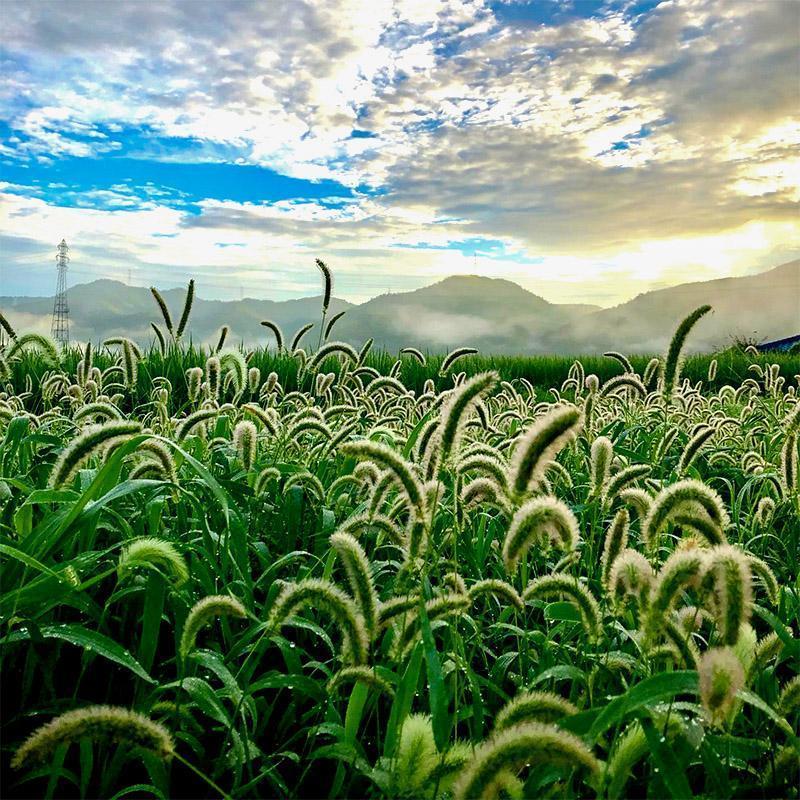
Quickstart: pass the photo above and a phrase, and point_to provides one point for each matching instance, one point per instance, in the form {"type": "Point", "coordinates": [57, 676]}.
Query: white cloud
{"type": "Point", "coordinates": [622, 152]}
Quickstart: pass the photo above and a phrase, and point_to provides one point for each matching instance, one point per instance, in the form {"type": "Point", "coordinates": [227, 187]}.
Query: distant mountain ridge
{"type": "Point", "coordinates": [105, 308]}
{"type": "Point", "coordinates": [754, 307]}
{"type": "Point", "coordinates": [494, 315]}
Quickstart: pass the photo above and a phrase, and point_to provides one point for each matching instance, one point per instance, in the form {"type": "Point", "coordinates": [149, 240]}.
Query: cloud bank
{"type": "Point", "coordinates": [588, 151]}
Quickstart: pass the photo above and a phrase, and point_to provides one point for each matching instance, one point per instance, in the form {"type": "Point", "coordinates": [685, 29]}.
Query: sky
{"type": "Point", "coordinates": [587, 150]}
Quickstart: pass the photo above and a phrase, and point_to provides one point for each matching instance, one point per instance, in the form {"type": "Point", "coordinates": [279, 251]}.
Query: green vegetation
{"type": "Point", "coordinates": [274, 575]}
{"type": "Point", "coordinates": [542, 371]}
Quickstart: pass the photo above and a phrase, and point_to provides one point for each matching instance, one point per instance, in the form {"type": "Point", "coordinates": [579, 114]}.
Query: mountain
{"type": "Point", "coordinates": [758, 307]}
{"type": "Point", "coordinates": [494, 315]}
{"type": "Point", "coordinates": [105, 308]}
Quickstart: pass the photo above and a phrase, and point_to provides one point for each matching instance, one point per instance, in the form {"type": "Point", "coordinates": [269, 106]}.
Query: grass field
{"type": "Point", "coordinates": [733, 367]}
{"type": "Point", "coordinates": [316, 575]}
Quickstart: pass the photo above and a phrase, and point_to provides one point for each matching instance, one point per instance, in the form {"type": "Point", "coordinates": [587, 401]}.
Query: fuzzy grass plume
{"type": "Point", "coordinates": [37, 342]}
{"type": "Point", "coordinates": [544, 521]}
{"type": "Point", "coordinates": [671, 369]}
{"type": "Point", "coordinates": [688, 498]}
{"type": "Point", "coordinates": [454, 356]}
{"type": "Point", "coordinates": [538, 445]}
{"type": "Point", "coordinates": [359, 576]}
{"type": "Point", "coordinates": [601, 454]}
{"type": "Point", "coordinates": [630, 576]}
{"type": "Point", "coordinates": [389, 459]}
{"type": "Point", "coordinates": [531, 743]}
{"type": "Point", "coordinates": [563, 585]}
{"type": "Point", "coordinates": [187, 309]}
{"type": "Point", "coordinates": [727, 579]}
{"type": "Point", "coordinates": [327, 283]}
{"type": "Point", "coordinates": [455, 412]}
{"type": "Point", "coordinates": [533, 706]}
{"type": "Point", "coordinates": [245, 441]}
{"type": "Point", "coordinates": [682, 569]}
{"type": "Point", "coordinates": [276, 331]}
{"type": "Point", "coordinates": [615, 542]}
{"type": "Point", "coordinates": [90, 442]}
{"type": "Point", "coordinates": [202, 613]}
{"type": "Point", "coordinates": [99, 723]}
{"type": "Point", "coordinates": [156, 553]}
{"type": "Point", "coordinates": [721, 677]}
{"type": "Point", "coordinates": [326, 596]}
{"type": "Point", "coordinates": [162, 305]}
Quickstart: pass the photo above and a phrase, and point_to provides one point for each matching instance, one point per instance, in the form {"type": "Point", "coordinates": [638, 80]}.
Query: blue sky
{"type": "Point", "coordinates": [589, 150]}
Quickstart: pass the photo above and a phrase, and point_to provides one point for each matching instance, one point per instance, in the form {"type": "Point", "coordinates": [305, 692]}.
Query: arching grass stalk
{"type": "Point", "coordinates": [327, 291]}
{"type": "Point", "coordinates": [671, 370]}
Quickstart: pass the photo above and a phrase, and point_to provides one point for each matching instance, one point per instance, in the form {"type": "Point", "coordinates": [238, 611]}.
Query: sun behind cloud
{"type": "Point", "coordinates": [588, 151]}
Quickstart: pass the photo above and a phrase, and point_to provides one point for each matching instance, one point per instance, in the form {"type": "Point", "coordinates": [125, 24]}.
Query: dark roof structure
{"type": "Point", "coordinates": [780, 345]}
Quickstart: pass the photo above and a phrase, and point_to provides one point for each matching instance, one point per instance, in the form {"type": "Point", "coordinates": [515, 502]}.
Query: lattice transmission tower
{"type": "Point", "coordinates": [59, 328]}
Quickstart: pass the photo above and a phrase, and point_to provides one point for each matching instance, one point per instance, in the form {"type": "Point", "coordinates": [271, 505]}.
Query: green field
{"type": "Point", "coordinates": [289, 575]}
{"type": "Point", "coordinates": [733, 367]}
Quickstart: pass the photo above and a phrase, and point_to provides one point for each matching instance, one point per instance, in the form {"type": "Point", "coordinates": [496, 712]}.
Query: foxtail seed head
{"type": "Point", "coordinates": [253, 379]}
{"type": "Point", "coordinates": [721, 677]}
{"type": "Point", "coordinates": [298, 336]}
{"type": "Point", "coordinates": [235, 367]}
{"type": "Point", "coordinates": [327, 279]}
{"type": "Point", "coordinates": [245, 438]}
{"type": "Point", "coordinates": [163, 308]}
{"type": "Point", "coordinates": [671, 371]}
{"type": "Point", "coordinates": [453, 356]}
{"type": "Point", "coordinates": [359, 577]}
{"type": "Point", "coordinates": [789, 465]}
{"type": "Point", "coordinates": [622, 359]}
{"type": "Point", "coordinates": [562, 585]}
{"type": "Point", "coordinates": [189, 423]}
{"type": "Point", "coordinates": [162, 344]}
{"type": "Point", "coordinates": [6, 326]}
{"type": "Point", "coordinates": [194, 379]}
{"type": "Point", "coordinates": [542, 520]}
{"type": "Point", "coordinates": [517, 747]}
{"type": "Point", "coordinates": [533, 707]}
{"type": "Point", "coordinates": [502, 590]}
{"type": "Point", "coordinates": [601, 455]}
{"type": "Point", "coordinates": [214, 376]}
{"type": "Point", "coordinates": [630, 576]}
{"type": "Point", "coordinates": [454, 414]}
{"type": "Point", "coordinates": [789, 700]}
{"type": "Point", "coordinates": [329, 327]}
{"type": "Point", "coordinates": [761, 570]}
{"type": "Point", "coordinates": [365, 675]}
{"type": "Point", "coordinates": [682, 569]}
{"type": "Point", "coordinates": [615, 542]}
{"type": "Point", "coordinates": [618, 482]}
{"type": "Point", "coordinates": [765, 511]}
{"type": "Point", "coordinates": [152, 552]}
{"type": "Point", "coordinates": [187, 309]}
{"type": "Point", "coordinates": [277, 332]}
{"type": "Point", "coordinates": [93, 439]}
{"type": "Point", "coordinates": [727, 578]}
{"type": "Point", "coordinates": [685, 498]}
{"type": "Point", "coordinates": [101, 723]}
{"type": "Point", "coordinates": [638, 499]}
{"type": "Point", "coordinates": [538, 445]}
{"type": "Point", "coordinates": [201, 613]}
{"type": "Point", "coordinates": [417, 354]}
{"type": "Point", "coordinates": [328, 597]}
{"type": "Point", "coordinates": [389, 459]}
{"type": "Point", "coordinates": [693, 447]}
